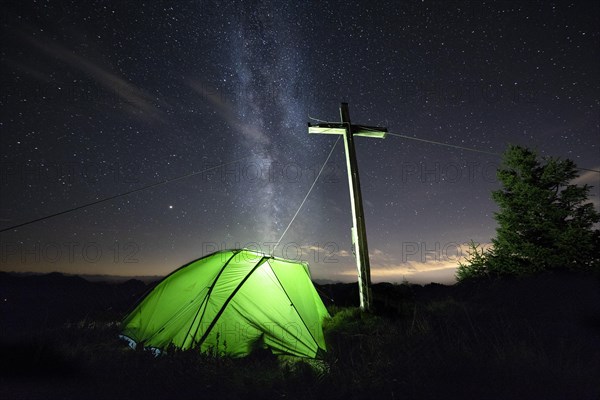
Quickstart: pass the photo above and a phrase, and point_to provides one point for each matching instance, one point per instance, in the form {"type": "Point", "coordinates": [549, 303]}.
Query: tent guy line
{"type": "Point", "coordinates": [122, 194]}
{"type": "Point", "coordinates": [307, 194]}
{"type": "Point", "coordinates": [444, 144]}
{"type": "Point", "coordinates": [466, 148]}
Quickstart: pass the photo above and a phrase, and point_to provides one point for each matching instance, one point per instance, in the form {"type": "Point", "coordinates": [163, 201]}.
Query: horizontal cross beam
{"type": "Point", "coordinates": [333, 128]}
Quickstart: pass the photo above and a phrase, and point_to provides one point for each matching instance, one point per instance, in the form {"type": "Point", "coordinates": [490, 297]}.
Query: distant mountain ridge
{"type": "Point", "coordinates": [89, 277]}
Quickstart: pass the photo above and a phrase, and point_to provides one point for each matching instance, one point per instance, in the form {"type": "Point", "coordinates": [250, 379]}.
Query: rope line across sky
{"type": "Point", "coordinates": [240, 159]}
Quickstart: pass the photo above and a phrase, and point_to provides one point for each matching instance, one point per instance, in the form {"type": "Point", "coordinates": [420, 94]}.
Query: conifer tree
{"type": "Point", "coordinates": [545, 221]}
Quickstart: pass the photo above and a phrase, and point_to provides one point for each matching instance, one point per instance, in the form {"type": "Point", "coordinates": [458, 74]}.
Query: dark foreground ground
{"type": "Point", "coordinates": [534, 338]}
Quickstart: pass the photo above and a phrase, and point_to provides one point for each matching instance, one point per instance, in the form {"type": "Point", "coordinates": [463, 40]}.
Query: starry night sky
{"type": "Point", "coordinates": [99, 98]}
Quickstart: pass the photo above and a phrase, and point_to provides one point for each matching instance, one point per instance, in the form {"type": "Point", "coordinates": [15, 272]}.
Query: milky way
{"type": "Point", "coordinates": [267, 67]}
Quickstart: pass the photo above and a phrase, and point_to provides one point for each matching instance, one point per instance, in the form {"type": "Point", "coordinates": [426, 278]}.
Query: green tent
{"type": "Point", "coordinates": [231, 302]}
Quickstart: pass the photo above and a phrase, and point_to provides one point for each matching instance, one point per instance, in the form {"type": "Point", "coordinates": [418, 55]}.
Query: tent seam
{"type": "Point", "coordinates": [231, 296]}
{"type": "Point", "coordinates": [294, 306]}
{"type": "Point", "coordinates": [207, 299]}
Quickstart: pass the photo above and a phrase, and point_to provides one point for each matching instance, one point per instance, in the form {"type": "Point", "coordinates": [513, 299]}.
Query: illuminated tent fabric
{"type": "Point", "coordinates": [231, 302]}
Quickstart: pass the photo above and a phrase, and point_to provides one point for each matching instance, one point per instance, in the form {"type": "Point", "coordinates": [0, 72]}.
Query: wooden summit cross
{"type": "Point", "coordinates": [359, 232]}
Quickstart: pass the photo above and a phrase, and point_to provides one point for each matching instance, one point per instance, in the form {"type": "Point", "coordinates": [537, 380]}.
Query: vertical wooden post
{"type": "Point", "coordinates": [359, 232]}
